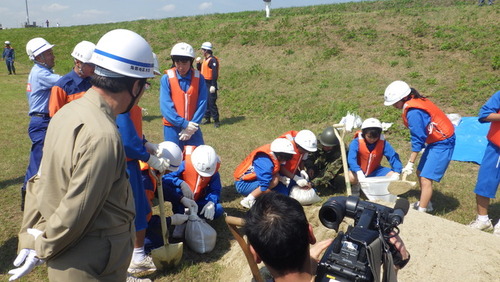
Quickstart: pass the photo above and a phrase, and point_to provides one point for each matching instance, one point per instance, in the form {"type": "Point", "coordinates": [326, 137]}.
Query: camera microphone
{"type": "Point", "coordinates": [400, 210]}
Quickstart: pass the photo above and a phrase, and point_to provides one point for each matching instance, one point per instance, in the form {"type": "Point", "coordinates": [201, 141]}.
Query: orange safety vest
{"type": "Point", "coordinates": [184, 102]}
{"type": "Point", "coordinates": [369, 161]}
{"type": "Point", "coordinates": [136, 117]}
{"type": "Point", "coordinates": [206, 71]}
{"type": "Point", "coordinates": [245, 170]}
{"type": "Point", "coordinates": [196, 182]}
{"type": "Point", "coordinates": [59, 98]}
{"type": "Point", "coordinates": [494, 132]}
{"type": "Point", "coordinates": [440, 127]}
{"type": "Point", "coordinates": [293, 164]}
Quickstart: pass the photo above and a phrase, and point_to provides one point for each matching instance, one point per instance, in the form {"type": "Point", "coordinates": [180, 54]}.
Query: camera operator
{"type": "Point", "coordinates": [279, 235]}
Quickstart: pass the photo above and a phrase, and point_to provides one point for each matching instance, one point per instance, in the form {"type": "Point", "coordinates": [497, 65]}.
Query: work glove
{"type": "Point", "coordinates": [395, 176]}
{"type": "Point", "coordinates": [28, 256]}
{"type": "Point", "coordinates": [198, 60]}
{"type": "Point", "coordinates": [212, 89]}
{"type": "Point", "coordinates": [186, 190]}
{"type": "Point", "coordinates": [178, 219]}
{"type": "Point", "coordinates": [151, 148]}
{"type": "Point", "coordinates": [304, 174]}
{"type": "Point", "coordinates": [408, 169]}
{"type": "Point", "coordinates": [300, 181]}
{"type": "Point", "coordinates": [190, 204]}
{"type": "Point", "coordinates": [191, 128]}
{"type": "Point", "coordinates": [361, 176]}
{"type": "Point", "coordinates": [160, 164]}
{"type": "Point", "coordinates": [208, 210]}
{"type": "Point", "coordinates": [285, 180]}
{"type": "Point", "coordinates": [184, 136]}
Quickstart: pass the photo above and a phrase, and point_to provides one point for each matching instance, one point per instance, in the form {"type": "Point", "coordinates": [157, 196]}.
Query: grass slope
{"type": "Point", "coordinates": [302, 68]}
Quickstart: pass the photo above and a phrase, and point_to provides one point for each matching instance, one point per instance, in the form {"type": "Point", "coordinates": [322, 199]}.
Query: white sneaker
{"type": "Point", "coordinates": [131, 278]}
{"type": "Point", "coordinates": [429, 206]}
{"type": "Point", "coordinates": [145, 265]}
{"type": "Point", "coordinates": [496, 231]}
{"type": "Point", "coordinates": [247, 203]}
{"type": "Point", "coordinates": [482, 225]}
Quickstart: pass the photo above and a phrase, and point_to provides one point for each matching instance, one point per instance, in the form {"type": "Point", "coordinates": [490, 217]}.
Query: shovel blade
{"type": "Point", "coordinates": [400, 187]}
{"type": "Point", "coordinates": [167, 256]}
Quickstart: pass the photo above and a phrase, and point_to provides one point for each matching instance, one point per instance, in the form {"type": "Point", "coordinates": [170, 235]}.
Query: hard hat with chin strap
{"type": "Point", "coordinates": [207, 46]}
{"type": "Point", "coordinates": [396, 91]}
{"type": "Point", "coordinates": [37, 46]}
{"type": "Point", "coordinates": [204, 160]}
{"type": "Point", "coordinates": [307, 140]}
{"type": "Point", "coordinates": [371, 123]}
{"type": "Point", "coordinates": [182, 50]}
{"type": "Point", "coordinates": [171, 151]}
{"type": "Point", "coordinates": [282, 145]}
{"type": "Point", "coordinates": [83, 51]}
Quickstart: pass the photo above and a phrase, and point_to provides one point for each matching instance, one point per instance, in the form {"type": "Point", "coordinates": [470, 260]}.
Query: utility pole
{"type": "Point", "coordinates": [27, 14]}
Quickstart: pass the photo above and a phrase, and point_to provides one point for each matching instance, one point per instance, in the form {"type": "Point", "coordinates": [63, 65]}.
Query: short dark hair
{"type": "Point", "coordinates": [375, 132]}
{"type": "Point", "coordinates": [277, 228]}
{"type": "Point", "coordinates": [283, 156]}
{"type": "Point", "coordinates": [115, 84]}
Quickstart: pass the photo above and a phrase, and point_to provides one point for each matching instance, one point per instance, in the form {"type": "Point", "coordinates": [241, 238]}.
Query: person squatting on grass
{"type": "Point", "coordinates": [40, 82]}
{"type": "Point", "coordinates": [488, 177]}
{"type": "Point", "coordinates": [80, 208]}
{"type": "Point", "coordinates": [427, 125]}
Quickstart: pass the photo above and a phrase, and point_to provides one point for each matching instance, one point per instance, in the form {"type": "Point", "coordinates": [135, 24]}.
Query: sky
{"type": "Point", "coordinates": [81, 12]}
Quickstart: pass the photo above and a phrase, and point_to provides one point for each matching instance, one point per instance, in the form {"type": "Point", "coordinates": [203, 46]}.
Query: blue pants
{"type": "Point", "coordinates": [488, 176]}
{"type": "Point", "coordinates": [142, 208]}
{"type": "Point", "coordinates": [246, 187]}
{"type": "Point", "coordinates": [212, 109]}
{"type": "Point", "coordinates": [37, 130]}
{"type": "Point", "coordinates": [435, 161]}
{"type": "Point", "coordinates": [10, 66]}
{"type": "Point", "coordinates": [171, 133]}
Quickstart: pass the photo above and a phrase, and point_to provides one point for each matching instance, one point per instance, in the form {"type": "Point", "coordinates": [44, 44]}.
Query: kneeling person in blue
{"type": "Point", "coordinates": [198, 179]}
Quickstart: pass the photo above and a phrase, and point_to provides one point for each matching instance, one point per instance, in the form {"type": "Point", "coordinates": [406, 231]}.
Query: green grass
{"type": "Point", "coordinates": [302, 68]}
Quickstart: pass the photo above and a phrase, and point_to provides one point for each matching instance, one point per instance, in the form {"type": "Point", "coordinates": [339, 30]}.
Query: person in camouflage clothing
{"type": "Point", "coordinates": [325, 164]}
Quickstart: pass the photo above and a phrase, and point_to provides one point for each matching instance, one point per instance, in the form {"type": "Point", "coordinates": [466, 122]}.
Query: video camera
{"type": "Point", "coordinates": [346, 258]}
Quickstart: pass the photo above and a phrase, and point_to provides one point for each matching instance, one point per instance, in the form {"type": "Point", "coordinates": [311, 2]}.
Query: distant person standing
{"type": "Point", "coordinates": [481, 2]}
{"type": "Point", "coordinates": [75, 83]}
{"type": "Point", "coordinates": [268, 8]}
{"type": "Point", "coordinates": [47, 22]}
{"type": "Point", "coordinates": [40, 82]}
{"type": "Point", "coordinates": [210, 70]}
{"type": "Point", "coordinates": [9, 55]}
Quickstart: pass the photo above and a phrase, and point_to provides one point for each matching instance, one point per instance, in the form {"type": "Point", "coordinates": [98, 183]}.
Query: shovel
{"type": "Point", "coordinates": [169, 255]}
{"type": "Point", "coordinates": [343, 153]}
{"type": "Point", "coordinates": [402, 186]}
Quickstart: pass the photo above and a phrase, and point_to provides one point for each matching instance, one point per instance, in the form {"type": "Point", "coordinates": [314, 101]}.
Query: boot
{"type": "Point", "coordinates": [206, 121]}
{"type": "Point", "coordinates": [216, 124]}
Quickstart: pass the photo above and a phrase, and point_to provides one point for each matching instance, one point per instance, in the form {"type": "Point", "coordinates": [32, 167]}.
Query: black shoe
{"type": "Point", "coordinates": [216, 124]}
{"type": "Point", "coordinates": [206, 121]}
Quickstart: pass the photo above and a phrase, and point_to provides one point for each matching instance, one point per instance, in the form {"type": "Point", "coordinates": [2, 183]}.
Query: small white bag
{"type": "Point", "coordinates": [304, 196]}
{"type": "Point", "coordinates": [199, 235]}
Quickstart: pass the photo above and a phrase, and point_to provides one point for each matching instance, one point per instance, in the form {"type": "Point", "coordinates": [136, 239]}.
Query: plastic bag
{"type": "Point", "coordinates": [199, 235]}
{"type": "Point", "coordinates": [304, 196]}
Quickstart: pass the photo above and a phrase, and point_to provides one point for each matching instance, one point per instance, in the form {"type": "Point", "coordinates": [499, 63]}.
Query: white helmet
{"type": "Point", "coordinates": [307, 140]}
{"type": "Point", "coordinates": [282, 145]}
{"type": "Point", "coordinates": [182, 49]}
{"type": "Point", "coordinates": [205, 160]}
{"type": "Point", "coordinates": [206, 45]}
{"type": "Point", "coordinates": [37, 46]}
{"type": "Point", "coordinates": [156, 68]}
{"type": "Point", "coordinates": [171, 151]}
{"type": "Point", "coordinates": [7, 42]}
{"type": "Point", "coordinates": [122, 52]}
{"type": "Point", "coordinates": [396, 91]}
{"type": "Point", "coordinates": [83, 51]}
{"type": "Point", "coordinates": [371, 123]}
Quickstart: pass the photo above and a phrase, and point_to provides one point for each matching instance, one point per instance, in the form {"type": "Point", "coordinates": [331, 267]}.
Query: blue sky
{"type": "Point", "coordinates": [81, 12]}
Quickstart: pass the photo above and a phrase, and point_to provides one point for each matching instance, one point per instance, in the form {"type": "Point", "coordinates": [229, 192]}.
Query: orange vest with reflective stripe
{"type": "Point", "coordinates": [206, 71]}
{"type": "Point", "coordinates": [184, 102]}
{"type": "Point", "coordinates": [369, 161]}
{"type": "Point", "coordinates": [196, 182]}
{"type": "Point", "coordinates": [245, 170]}
{"type": "Point", "coordinates": [292, 164]}
{"type": "Point", "coordinates": [440, 127]}
{"type": "Point", "coordinates": [494, 132]}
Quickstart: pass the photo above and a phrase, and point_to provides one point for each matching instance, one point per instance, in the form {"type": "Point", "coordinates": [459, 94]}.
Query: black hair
{"type": "Point", "coordinates": [116, 84]}
{"type": "Point", "coordinates": [375, 132]}
{"type": "Point", "coordinates": [277, 228]}
{"type": "Point", "coordinates": [414, 94]}
{"type": "Point", "coordinates": [283, 156]}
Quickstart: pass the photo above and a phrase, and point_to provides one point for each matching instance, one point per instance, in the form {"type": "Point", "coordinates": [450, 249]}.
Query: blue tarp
{"type": "Point", "coordinates": [471, 140]}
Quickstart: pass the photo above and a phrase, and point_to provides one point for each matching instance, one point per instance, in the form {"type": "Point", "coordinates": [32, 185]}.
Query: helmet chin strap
{"type": "Point", "coordinates": [41, 63]}
{"type": "Point", "coordinates": [134, 98]}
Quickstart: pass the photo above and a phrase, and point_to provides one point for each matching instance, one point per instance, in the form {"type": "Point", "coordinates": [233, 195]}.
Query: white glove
{"type": "Point", "coordinates": [361, 176]}
{"type": "Point", "coordinates": [186, 190]}
{"type": "Point", "coordinates": [285, 180]}
{"type": "Point", "coordinates": [304, 174]}
{"type": "Point", "coordinates": [28, 256]}
{"type": "Point", "coordinates": [212, 89]}
{"type": "Point", "coordinates": [190, 204]}
{"type": "Point", "coordinates": [300, 181]}
{"type": "Point", "coordinates": [34, 232]}
{"type": "Point", "coordinates": [208, 210]}
{"type": "Point", "coordinates": [395, 176]}
{"type": "Point", "coordinates": [160, 164]}
{"type": "Point", "coordinates": [191, 128]}
{"type": "Point", "coordinates": [178, 219]}
{"type": "Point", "coordinates": [184, 136]}
{"type": "Point", "coordinates": [408, 169]}
{"type": "Point", "coordinates": [198, 60]}
{"type": "Point", "coordinates": [151, 148]}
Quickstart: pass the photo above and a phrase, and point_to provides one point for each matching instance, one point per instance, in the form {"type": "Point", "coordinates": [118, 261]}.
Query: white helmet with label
{"type": "Point", "coordinates": [156, 68]}
{"type": "Point", "coordinates": [396, 91]}
{"type": "Point", "coordinates": [206, 45]}
{"type": "Point", "coordinates": [282, 145]}
{"type": "Point", "coordinates": [183, 50]}
{"type": "Point", "coordinates": [205, 160]}
{"type": "Point", "coordinates": [7, 42]}
{"type": "Point", "coordinates": [371, 123]}
{"type": "Point", "coordinates": [171, 151]}
{"type": "Point", "coordinates": [122, 52]}
{"type": "Point", "coordinates": [83, 51]}
{"type": "Point", "coordinates": [307, 140]}
{"type": "Point", "coordinates": [37, 46]}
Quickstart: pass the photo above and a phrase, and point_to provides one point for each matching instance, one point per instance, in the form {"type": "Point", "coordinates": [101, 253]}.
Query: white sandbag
{"type": "Point", "coordinates": [304, 196]}
{"type": "Point", "coordinates": [199, 235]}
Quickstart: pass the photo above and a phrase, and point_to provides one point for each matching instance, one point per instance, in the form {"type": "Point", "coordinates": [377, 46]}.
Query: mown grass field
{"type": "Point", "coordinates": [303, 68]}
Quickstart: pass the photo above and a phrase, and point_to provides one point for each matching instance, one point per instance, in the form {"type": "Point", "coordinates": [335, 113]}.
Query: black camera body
{"type": "Point", "coordinates": [346, 258]}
